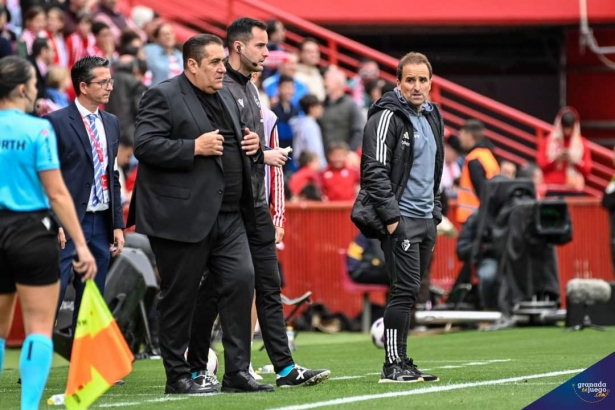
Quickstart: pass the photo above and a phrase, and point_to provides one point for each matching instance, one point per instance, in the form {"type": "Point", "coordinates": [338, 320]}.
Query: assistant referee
{"type": "Point", "coordinates": [30, 180]}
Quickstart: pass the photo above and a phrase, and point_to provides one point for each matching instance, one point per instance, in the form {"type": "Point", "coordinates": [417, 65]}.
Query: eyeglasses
{"type": "Point", "coordinates": [104, 83]}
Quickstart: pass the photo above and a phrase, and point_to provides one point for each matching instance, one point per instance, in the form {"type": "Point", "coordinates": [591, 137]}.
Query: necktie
{"type": "Point", "coordinates": [98, 166]}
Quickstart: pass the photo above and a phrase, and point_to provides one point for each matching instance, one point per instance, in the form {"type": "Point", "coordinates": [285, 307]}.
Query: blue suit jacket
{"type": "Point", "coordinates": [75, 153]}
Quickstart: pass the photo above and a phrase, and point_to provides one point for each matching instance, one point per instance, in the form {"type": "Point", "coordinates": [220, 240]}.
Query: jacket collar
{"type": "Point", "coordinates": [236, 75]}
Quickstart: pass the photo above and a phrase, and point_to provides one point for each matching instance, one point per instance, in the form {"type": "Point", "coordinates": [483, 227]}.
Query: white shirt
{"type": "Point", "coordinates": [102, 138]}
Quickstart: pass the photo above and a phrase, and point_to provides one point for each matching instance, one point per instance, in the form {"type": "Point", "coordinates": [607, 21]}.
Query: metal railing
{"type": "Point", "coordinates": [515, 133]}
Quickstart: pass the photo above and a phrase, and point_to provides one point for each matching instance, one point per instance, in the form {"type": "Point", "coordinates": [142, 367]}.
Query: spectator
{"type": "Point", "coordinates": [55, 27]}
{"type": "Point", "coordinates": [105, 46]}
{"type": "Point", "coordinates": [306, 131]}
{"type": "Point", "coordinates": [82, 42]}
{"type": "Point", "coordinates": [307, 69]}
{"type": "Point", "coordinates": [285, 110]}
{"type": "Point", "coordinates": [35, 21]}
{"type": "Point", "coordinates": [287, 68]}
{"type": "Point", "coordinates": [163, 58]}
{"type": "Point", "coordinates": [452, 170]}
{"type": "Point", "coordinates": [122, 160]}
{"type": "Point", "coordinates": [131, 43]}
{"type": "Point", "coordinates": [42, 58]}
{"type": "Point", "coordinates": [339, 182]}
{"type": "Point", "coordinates": [342, 120]}
{"type": "Point", "coordinates": [117, 22]}
{"type": "Point", "coordinates": [564, 156]}
{"type": "Point", "coordinates": [365, 261]}
{"type": "Point", "coordinates": [533, 172]}
{"type": "Point", "coordinates": [72, 9]}
{"type": "Point", "coordinates": [126, 96]}
{"type": "Point", "coordinates": [58, 81]}
{"type": "Point", "coordinates": [276, 34]}
{"type": "Point", "coordinates": [5, 19]}
{"type": "Point", "coordinates": [508, 169]}
{"type": "Point", "coordinates": [479, 166]}
{"type": "Point", "coordinates": [308, 174]}
{"type": "Point", "coordinates": [368, 71]}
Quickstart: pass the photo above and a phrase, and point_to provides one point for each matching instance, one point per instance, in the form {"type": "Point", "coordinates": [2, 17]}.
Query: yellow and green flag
{"type": "Point", "coordinates": [100, 355]}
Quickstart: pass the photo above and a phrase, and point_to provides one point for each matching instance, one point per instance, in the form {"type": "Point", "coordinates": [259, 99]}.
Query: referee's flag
{"type": "Point", "coordinates": [100, 355]}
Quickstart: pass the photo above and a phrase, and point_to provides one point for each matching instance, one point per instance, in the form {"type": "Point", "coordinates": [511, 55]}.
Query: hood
{"type": "Point", "coordinates": [557, 124]}
{"type": "Point", "coordinates": [392, 100]}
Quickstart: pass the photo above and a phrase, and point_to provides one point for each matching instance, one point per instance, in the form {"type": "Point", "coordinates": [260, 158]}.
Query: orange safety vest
{"type": "Point", "coordinates": [467, 201]}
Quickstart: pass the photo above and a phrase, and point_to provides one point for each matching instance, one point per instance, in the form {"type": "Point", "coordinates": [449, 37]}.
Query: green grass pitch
{"type": "Point", "coordinates": [481, 359]}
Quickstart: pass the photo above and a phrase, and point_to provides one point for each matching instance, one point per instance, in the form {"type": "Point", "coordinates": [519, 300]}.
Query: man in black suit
{"type": "Point", "coordinates": [193, 198]}
{"type": "Point", "coordinates": [88, 139]}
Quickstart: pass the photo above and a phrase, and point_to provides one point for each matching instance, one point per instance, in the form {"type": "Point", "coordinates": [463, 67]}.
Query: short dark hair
{"type": "Point", "coordinates": [474, 127]}
{"type": "Point", "coordinates": [307, 102]}
{"type": "Point", "coordinates": [98, 26]}
{"type": "Point", "coordinates": [82, 16]}
{"type": "Point", "coordinates": [454, 143]}
{"type": "Point", "coordinates": [159, 27]}
{"type": "Point", "coordinates": [285, 79]}
{"type": "Point", "coordinates": [241, 30]}
{"type": "Point", "coordinates": [128, 37]}
{"type": "Point", "coordinates": [306, 157]}
{"type": "Point", "coordinates": [126, 141]}
{"type": "Point", "coordinates": [83, 70]}
{"type": "Point", "coordinates": [32, 12]}
{"type": "Point", "coordinates": [39, 44]}
{"type": "Point", "coordinates": [271, 26]}
{"type": "Point", "coordinates": [413, 58]}
{"type": "Point", "coordinates": [528, 170]}
{"type": "Point", "coordinates": [194, 48]}
{"type": "Point", "coordinates": [14, 71]}
{"type": "Point", "coordinates": [568, 119]}
{"type": "Point", "coordinates": [307, 40]}
{"type": "Point", "coordinates": [337, 145]}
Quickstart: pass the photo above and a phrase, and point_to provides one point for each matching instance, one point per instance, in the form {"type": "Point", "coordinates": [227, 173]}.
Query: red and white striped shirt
{"type": "Point", "coordinates": [274, 177]}
{"type": "Point", "coordinates": [79, 47]}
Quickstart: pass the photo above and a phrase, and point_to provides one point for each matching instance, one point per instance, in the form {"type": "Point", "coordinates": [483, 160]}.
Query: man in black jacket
{"type": "Point", "coordinates": [194, 201]}
{"type": "Point", "coordinates": [401, 168]}
{"type": "Point", "coordinates": [247, 44]}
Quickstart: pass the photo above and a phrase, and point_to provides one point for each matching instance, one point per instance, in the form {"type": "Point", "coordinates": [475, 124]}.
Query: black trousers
{"type": "Point", "coordinates": [408, 254]}
{"type": "Point", "coordinates": [268, 302]}
{"type": "Point", "coordinates": [225, 253]}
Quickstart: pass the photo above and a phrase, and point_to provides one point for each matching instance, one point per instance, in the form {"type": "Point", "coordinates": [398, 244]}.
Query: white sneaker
{"type": "Point", "coordinates": [255, 376]}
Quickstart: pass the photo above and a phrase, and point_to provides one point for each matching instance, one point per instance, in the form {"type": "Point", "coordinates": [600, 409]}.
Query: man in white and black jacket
{"type": "Point", "coordinates": [399, 202]}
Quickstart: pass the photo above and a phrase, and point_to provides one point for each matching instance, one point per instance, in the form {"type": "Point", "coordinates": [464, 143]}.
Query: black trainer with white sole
{"type": "Point", "coordinates": [206, 378]}
{"type": "Point", "coordinates": [399, 373]}
{"type": "Point", "coordinates": [426, 377]}
{"type": "Point", "coordinates": [300, 376]}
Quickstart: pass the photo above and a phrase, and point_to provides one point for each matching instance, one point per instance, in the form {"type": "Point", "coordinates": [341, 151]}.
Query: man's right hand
{"type": "Point", "coordinates": [276, 157]}
{"type": "Point", "coordinates": [210, 143]}
{"type": "Point", "coordinates": [61, 238]}
{"type": "Point", "coordinates": [391, 228]}
{"type": "Point", "coordinates": [86, 264]}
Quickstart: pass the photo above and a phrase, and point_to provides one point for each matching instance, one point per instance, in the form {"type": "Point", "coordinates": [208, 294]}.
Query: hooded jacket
{"type": "Point", "coordinates": [386, 161]}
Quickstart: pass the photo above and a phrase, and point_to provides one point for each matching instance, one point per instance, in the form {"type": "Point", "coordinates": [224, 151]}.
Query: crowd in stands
{"type": "Point", "coordinates": [321, 112]}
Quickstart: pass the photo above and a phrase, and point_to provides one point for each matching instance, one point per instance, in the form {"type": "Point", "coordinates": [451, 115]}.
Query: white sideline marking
{"type": "Point", "coordinates": [434, 389]}
{"type": "Point", "coordinates": [346, 377]}
{"type": "Point", "coordinates": [136, 403]}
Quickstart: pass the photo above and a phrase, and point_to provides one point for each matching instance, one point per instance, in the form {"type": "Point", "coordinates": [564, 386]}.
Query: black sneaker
{"type": "Point", "coordinates": [206, 378]}
{"type": "Point", "coordinates": [426, 377]}
{"type": "Point", "coordinates": [399, 373]}
{"type": "Point", "coordinates": [300, 376]}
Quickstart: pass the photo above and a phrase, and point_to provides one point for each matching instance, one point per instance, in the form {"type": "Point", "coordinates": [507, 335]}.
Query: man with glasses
{"type": "Point", "coordinates": [88, 139]}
